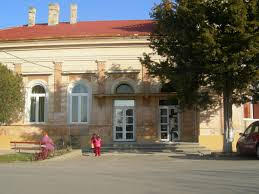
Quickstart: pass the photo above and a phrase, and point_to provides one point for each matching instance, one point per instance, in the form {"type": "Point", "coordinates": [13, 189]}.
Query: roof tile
{"type": "Point", "coordinates": [80, 29]}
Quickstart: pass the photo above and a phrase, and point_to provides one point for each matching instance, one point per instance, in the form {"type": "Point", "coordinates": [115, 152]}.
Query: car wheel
{"type": "Point", "coordinates": [257, 151]}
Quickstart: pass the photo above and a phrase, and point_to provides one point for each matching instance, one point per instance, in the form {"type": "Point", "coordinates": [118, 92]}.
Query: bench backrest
{"type": "Point", "coordinates": [26, 146]}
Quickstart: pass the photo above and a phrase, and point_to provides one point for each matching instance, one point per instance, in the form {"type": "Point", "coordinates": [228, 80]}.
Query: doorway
{"type": "Point", "coordinates": [124, 120]}
{"type": "Point", "coordinates": [169, 125]}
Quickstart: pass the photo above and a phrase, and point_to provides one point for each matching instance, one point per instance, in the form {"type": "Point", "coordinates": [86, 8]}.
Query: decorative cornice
{"type": "Point", "coordinates": [36, 73]}
{"type": "Point", "coordinates": [123, 71]}
{"type": "Point", "coordinates": [78, 72]}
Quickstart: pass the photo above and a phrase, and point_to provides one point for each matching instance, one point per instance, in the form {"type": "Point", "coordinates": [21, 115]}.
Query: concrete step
{"type": "Point", "coordinates": [160, 145]}
{"type": "Point", "coordinates": [132, 147]}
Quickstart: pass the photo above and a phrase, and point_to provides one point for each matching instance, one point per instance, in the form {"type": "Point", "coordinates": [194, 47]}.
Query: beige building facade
{"type": "Point", "coordinates": [82, 78]}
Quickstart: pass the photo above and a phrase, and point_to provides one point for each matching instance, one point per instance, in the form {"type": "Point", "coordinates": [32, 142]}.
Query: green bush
{"type": "Point", "coordinates": [11, 95]}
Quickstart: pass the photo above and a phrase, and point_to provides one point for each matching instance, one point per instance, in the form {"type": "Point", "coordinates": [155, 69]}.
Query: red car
{"type": "Point", "coordinates": [248, 142]}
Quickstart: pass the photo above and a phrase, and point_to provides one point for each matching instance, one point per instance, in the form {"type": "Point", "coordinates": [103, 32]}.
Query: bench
{"type": "Point", "coordinates": [29, 147]}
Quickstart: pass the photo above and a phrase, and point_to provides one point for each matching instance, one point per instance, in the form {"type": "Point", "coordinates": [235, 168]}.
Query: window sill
{"type": "Point", "coordinates": [35, 123]}
{"type": "Point", "coordinates": [78, 123]}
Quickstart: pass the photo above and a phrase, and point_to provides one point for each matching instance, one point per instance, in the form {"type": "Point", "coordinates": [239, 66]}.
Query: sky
{"type": "Point", "coordinates": [15, 12]}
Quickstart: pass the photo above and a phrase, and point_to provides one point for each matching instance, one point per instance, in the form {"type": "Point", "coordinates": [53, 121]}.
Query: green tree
{"type": "Point", "coordinates": [11, 95]}
{"type": "Point", "coordinates": [209, 52]}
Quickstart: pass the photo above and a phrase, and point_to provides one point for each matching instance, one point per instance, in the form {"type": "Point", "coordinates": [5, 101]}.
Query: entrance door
{"type": "Point", "coordinates": [124, 120]}
{"type": "Point", "coordinates": [169, 123]}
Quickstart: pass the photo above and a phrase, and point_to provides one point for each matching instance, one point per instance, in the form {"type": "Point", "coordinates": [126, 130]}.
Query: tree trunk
{"type": "Point", "coordinates": [227, 104]}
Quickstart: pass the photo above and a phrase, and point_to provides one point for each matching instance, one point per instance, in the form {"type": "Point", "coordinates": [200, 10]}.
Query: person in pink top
{"type": "Point", "coordinates": [48, 145]}
{"type": "Point", "coordinates": [97, 145]}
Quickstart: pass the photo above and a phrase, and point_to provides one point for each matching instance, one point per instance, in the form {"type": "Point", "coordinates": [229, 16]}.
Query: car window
{"type": "Point", "coordinates": [248, 130]}
{"type": "Point", "coordinates": [256, 129]}
{"type": "Point", "coordinates": [253, 128]}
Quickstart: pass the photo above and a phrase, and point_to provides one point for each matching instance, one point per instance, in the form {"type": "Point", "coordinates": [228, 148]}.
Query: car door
{"type": "Point", "coordinates": [254, 137]}
{"type": "Point", "coordinates": [249, 138]}
{"type": "Point", "coordinates": [244, 139]}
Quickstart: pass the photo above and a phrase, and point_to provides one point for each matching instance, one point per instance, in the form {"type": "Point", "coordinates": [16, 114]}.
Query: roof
{"type": "Point", "coordinates": [115, 28]}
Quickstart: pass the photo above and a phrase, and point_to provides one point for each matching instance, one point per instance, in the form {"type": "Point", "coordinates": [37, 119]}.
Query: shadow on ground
{"type": "Point", "coordinates": [212, 157]}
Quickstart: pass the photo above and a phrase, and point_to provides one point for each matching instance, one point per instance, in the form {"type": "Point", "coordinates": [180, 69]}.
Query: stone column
{"type": "Point", "coordinates": [32, 16]}
{"type": "Point", "coordinates": [101, 76]}
{"type": "Point", "coordinates": [57, 86]}
{"type": "Point", "coordinates": [145, 80]}
{"type": "Point", "coordinates": [53, 18]}
{"type": "Point", "coordinates": [73, 14]}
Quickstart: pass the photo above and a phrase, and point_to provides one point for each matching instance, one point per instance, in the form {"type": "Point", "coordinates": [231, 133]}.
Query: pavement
{"type": "Point", "coordinates": [163, 173]}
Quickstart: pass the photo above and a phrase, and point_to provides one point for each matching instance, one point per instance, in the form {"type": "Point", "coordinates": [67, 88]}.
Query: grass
{"type": "Point", "coordinates": [16, 157]}
{"type": "Point", "coordinates": [28, 157]}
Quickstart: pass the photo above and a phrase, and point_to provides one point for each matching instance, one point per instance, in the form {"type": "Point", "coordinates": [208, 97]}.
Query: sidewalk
{"type": "Point", "coordinates": [223, 154]}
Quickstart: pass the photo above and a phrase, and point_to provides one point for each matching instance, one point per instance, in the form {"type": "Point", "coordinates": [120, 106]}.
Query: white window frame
{"type": "Point", "coordinates": [79, 95]}
{"type": "Point", "coordinates": [70, 96]}
{"type": "Point", "coordinates": [28, 102]}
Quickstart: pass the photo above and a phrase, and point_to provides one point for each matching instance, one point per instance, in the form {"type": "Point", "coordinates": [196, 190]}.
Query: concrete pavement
{"type": "Point", "coordinates": [131, 173]}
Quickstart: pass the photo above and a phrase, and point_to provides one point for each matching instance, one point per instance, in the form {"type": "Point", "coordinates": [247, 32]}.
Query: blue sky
{"type": "Point", "coordinates": [15, 12]}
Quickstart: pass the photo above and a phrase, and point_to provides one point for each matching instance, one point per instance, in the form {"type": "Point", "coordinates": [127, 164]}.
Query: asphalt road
{"type": "Point", "coordinates": [131, 174]}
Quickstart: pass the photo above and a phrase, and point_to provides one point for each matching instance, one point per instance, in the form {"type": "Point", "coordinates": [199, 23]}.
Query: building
{"type": "Point", "coordinates": [85, 77]}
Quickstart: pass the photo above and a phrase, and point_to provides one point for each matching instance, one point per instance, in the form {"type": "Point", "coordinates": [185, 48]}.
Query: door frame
{"type": "Point", "coordinates": [168, 108]}
{"type": "Point", "coordinates": [124, 108]}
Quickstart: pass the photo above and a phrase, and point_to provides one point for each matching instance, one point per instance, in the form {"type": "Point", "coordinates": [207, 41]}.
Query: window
{"type": "Point", "coordinates": [124, 89]}
{"type": "Point", "coordinates": [79, 104]}
{"type": "Point", "coordinates": [253, 128]}
{"type": "Point", "coordinates": [37, 104]}
{"type": "Point", "coordinates": [251, 111]}
{"type": "Point", "coordinates": [248, 130]}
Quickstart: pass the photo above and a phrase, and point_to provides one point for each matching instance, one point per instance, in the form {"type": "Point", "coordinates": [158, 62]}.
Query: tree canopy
{"type": "Point", "coordinates": [209, 49]}
{"type": "Point", "coordinates": [11, 95]}
{"type": "Point", "coordinates": [206, 48]}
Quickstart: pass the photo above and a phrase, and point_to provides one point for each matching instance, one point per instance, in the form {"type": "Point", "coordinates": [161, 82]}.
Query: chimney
{"type": "Point", "coordinates": [32, 16]}
{"type": "Point", "coordinates": [53, 14]}
{"type": "Point", "coordinates": [73, 13]}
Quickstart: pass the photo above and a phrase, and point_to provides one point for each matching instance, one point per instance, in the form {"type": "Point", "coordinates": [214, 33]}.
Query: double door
{"type": "Point", "coordinates": [124, 123]}
{"type": "Point", "coordinates": [169, 123]}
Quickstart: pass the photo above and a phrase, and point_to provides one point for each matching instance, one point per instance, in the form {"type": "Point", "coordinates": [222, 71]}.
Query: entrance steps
{"type": "Point", "coordinates": [172, 147]}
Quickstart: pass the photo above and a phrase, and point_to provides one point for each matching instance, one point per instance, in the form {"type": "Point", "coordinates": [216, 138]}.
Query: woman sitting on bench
{"type": "Point", "coordinates": [48, 145]}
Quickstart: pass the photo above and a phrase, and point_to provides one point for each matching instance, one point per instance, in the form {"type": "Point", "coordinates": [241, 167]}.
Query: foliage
{"type": "Point", "coordinates": [207, 49]}
{"type": "Point", "coordinates": [11, 95]}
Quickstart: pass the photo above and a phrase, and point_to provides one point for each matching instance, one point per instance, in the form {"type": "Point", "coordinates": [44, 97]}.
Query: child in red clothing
{"type": "Point", "coordinates": [97, 145]}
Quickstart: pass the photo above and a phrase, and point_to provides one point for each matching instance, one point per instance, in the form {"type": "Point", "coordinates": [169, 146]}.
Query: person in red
{"type": "Point", "coordinates": [97, 145]}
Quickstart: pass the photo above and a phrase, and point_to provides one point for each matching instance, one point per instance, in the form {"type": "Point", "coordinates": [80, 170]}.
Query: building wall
{"type": "Point", "coordinates": [212, 127]}
{"type": "Point", "coordinates": [102, 64]}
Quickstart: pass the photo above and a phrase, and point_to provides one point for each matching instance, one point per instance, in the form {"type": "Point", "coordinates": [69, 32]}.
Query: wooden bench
{"type": "Point", "coordinates": [29, 147]}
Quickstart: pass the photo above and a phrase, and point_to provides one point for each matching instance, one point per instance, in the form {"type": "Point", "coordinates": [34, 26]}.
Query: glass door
{"type": "Point", "coordinates": [164, 124]}
{"type": "Point", "coordinates": [169, 123]}
{"type": "Point", "coordinates": [174, 118]}
{"type": "Point", "coordinates": [124, 121]}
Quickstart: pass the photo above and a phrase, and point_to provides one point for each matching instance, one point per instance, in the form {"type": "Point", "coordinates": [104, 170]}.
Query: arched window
{"type": "Point", "coordinates": [79, 104]}
{"type": "Point", "coordinates": [124, 89]}
{"type": "Point", "coordinates": [37, 104]}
